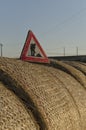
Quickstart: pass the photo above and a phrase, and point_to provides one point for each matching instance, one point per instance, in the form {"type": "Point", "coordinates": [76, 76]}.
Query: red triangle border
{"type": "Point", "coordinates": [24, 56]}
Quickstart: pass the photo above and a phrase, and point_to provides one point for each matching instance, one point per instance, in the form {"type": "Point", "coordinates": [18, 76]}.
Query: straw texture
{"type": "Point", "coordinates": [13, 115]}
{"type": "Point", "coordinates": [56, 92]}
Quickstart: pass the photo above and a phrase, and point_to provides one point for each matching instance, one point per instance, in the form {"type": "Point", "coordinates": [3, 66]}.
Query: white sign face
{"type": "Point", "coordinates": [34, 50]}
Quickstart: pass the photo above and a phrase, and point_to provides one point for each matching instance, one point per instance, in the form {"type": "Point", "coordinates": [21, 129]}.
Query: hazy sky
{"type": "Point", "coordinates": [56, 24]}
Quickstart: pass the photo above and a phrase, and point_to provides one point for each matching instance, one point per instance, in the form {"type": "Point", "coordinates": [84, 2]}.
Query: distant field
{"type": "Point", "coordinates": [42, 96]}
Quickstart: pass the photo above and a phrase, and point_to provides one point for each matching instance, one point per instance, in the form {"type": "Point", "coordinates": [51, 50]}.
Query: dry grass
{"type": "Point", "coordinates": [55, 94]}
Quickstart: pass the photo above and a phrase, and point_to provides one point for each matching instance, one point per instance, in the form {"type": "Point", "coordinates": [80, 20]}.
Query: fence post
{"type": "Point", "coordinates": [77, 51]}
{"type": "Point", "coordinates": [64, 51]}
{"type": "Point", "coordinates": [1, 45]}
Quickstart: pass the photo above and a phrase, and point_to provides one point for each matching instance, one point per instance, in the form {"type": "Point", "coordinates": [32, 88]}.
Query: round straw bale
{"type": "Point", "coordinates": [13, 115]}
{"type": "Point", "coordinates": [57, 91]}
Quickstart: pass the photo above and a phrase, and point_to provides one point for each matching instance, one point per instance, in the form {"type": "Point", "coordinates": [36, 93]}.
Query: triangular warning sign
{"type": "Point", "coordinates": [32, 50]}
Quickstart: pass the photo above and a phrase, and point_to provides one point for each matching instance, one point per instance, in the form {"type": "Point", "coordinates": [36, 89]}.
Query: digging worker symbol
{"type": "Point", "coordinates": [32, 48]}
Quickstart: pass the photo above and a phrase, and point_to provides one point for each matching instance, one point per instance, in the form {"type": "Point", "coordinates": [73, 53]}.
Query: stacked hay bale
{"type": "Point", "coordinates": [13, 114]}
{"type": "Point", "coordinates": [78, 65]}
{"type": "Point", "coordinates": [55, 96]}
